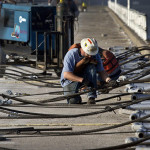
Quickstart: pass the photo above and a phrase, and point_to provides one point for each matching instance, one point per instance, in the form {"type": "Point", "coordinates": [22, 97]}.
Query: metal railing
{"type": "Point", "coordinates": [135, 20]}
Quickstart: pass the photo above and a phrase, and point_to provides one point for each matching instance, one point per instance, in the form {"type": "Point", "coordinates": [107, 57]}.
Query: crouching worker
{"type": "Point", "coordinates": [81, 65]}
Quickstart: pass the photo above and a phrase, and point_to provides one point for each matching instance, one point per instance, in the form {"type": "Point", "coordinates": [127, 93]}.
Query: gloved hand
{"type": "Point", "coordinates": [113, 83]}
{"type": "Point", "coordinates": [87, 83]}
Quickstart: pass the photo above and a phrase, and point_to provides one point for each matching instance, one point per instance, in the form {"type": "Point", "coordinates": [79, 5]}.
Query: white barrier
{"type": "Point", "coordinates": [136, 21]}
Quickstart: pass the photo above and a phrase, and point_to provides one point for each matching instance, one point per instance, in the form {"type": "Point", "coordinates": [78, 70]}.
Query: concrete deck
{"type": "Point", "coordinates": [97, 23]}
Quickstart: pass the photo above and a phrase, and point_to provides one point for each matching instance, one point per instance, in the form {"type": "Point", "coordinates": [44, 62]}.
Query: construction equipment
{"type": "Point", "coordinates": [39, 28]}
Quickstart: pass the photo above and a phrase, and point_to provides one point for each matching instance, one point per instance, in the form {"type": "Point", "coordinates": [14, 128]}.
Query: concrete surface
{"type": "Point", "coordinates": [97, 23]}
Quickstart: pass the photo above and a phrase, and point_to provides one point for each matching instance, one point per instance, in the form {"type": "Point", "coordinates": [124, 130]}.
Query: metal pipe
{"type": "Point", "coordinates": [137, 58]}
{"type": "Point", "coordinates": [141, 133]}
{"type": "Point", "coordinates": [147, 102]}
{"type": "Point", "coordinates": [145, 77]}
{"type": "Point", "coordinates": [133, 90]}
{"type": "Point", "coordinates": [134, 116]}
{"type": "Point", "coordinates": [143, 86]}
{"type": "Point", "coordinates": [130, 55]}
{"type": "Point", "coordinates": [125, 111]}
{"type": "Point", "coordinates": [131, 139]}
{"type": "Point", "coordinates": [134, 139]}
{"type": "Point", "coordinates": [142, 75]}
{"type": "Point", "coordinates": [139, 96]}
{"type": "Point", "coordinates": [138, 107]}
{"type": "Point", "coordinates": [139, 125]}
{"type": "Point", "coordinates": [131, 65]}
{"type": "Point", "coordinates": [138, 115]}
{"type": "Point", "coordinates": [123, 53]}
{"type": "Point", "coordinates": [146, 111]}
{"type": "Point", "coordinates": [135, 69]}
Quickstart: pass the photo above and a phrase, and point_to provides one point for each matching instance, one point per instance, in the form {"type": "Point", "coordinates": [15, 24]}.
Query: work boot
{"type": "Point", "coordinates": [91, 100]}
{"type": "Point", "coordinates": [76, 100]}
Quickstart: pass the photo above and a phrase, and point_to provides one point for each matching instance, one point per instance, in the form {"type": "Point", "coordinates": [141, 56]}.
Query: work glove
{"type": "Point", "coordinates": [87, 83]}
{"type": "Point", "coordinates": [113, 83]}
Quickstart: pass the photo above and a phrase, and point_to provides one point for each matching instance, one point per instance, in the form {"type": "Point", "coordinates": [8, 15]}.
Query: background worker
{"type": "Point", "coordinates": [110, 63]}
{"type": "Point", "coordinates": [80, 68]}
{"type": "Point", "coordinates": [84, 6]}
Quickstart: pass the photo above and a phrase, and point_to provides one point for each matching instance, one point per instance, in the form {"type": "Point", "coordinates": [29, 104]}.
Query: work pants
{"type": "Point", "coordinates": [89, 73]}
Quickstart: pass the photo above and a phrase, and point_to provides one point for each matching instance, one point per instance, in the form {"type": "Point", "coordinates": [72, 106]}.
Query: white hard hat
{"type": "Point", "coordinates": [89, 46]}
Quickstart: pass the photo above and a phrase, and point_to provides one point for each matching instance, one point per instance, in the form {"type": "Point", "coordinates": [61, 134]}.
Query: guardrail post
{"type": "Point", "coordinates": [128, 12]}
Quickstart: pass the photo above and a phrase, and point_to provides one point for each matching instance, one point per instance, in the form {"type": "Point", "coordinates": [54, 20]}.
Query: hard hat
{"type": "Point", "coordinates": [89, 46]}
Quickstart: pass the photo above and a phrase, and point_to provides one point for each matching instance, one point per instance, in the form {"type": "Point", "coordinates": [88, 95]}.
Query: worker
{"type": "Point", "coordinates": [80, 68]}
{"type": "Point", "coordinates": [84, 6]}
{"type": "Point", "coordinates": [110, 63]}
